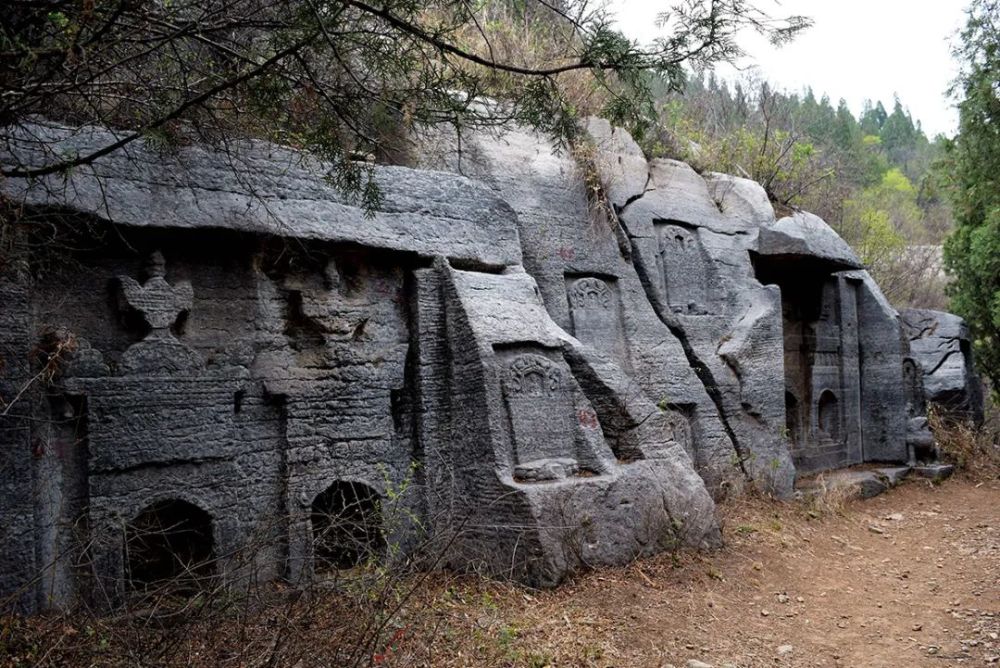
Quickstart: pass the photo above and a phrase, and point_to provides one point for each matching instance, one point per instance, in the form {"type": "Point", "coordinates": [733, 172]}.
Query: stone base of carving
{"type": "Point", "coordinates": [545, 469]}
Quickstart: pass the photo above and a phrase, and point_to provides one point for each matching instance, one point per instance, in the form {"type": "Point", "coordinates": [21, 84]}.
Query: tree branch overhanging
{"type": "Point", "coordinates": [336, 76]}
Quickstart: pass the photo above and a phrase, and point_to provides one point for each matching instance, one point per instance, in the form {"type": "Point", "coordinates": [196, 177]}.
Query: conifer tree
{"type": "Point", "coordinates": [972, 253]}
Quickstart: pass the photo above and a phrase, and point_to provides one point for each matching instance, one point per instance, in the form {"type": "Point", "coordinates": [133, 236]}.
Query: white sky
{"type": "Point", "coordinates": [856, 49]}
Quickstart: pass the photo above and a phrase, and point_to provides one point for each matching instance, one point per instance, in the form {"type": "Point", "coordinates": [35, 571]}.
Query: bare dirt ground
{"type": "Point", "coordinates": [910, 578]}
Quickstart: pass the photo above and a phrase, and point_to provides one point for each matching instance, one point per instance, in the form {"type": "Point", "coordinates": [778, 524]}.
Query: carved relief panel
{"type": "Point", "coordinates": [685, 269]}
{"type": "Point", "coordinates": [160, 305]}
{"type": "Point", "coordinates": [539, 398]}
{"type": "Point", "coordinates": [913, 388]}
{"type": "Point", "coordinates": [596, 316]}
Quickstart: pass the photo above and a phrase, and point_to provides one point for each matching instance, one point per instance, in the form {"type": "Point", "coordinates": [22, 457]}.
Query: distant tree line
{"type": "Point", "coordinates": [870, 176]}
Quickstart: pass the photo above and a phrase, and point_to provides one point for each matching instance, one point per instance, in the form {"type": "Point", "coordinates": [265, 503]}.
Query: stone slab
{"type": "Point", "coordinates": [941, 346]}
{"type": "Point", "coordinates": [805, 235]}
{"type": "Point", "coordinates": [935, 472]}
{"type": "Point", "coordinates": [261, 188]}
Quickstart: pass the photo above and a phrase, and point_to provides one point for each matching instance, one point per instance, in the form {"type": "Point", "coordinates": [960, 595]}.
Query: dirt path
{"type": "Point", "coordinates": [911, 578]}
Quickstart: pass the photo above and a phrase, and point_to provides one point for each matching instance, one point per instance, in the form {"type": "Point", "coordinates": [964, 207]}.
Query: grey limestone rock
{"type": "Point", "coordinates": [805, 235]}
{"type": "Point", "coordinates": [265, 189]}
{"type": "Point", "coordinates": [940, 345]}
{"type": "Point", "coordinates": [741, 198]}
{"type": "Point", "coordinates": [691, 253]}
{"type": "Point", "coordinates": [499, 368]}
{"type": "Point", "coordinates": [935, 472]}
{"type": "Point", "coordinates": [585, 267]}
{"type": "Point", "coordinates": [619, 160]}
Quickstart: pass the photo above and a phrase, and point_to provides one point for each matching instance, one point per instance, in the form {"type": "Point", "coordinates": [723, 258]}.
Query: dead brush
{"type": "Point", "coordinates": [829, 497]}
{"type": "Point", "coordinates": [535, 36]}
{"type": "Point", "coordinates": [181, 606]}
{"type": "Point", "coordinates": [975, 451]}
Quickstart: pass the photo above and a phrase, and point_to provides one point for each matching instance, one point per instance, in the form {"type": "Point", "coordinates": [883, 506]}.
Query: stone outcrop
{"type": "Point", "coordinates": [534, 378]}
{"type": "Point", "coordinates": [940, 346]}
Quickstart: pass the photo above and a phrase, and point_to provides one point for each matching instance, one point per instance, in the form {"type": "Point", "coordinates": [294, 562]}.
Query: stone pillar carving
{"type": "Point", "coordinates": [596, 317]}
{"type": "Point", "coordinates": [685, 269]}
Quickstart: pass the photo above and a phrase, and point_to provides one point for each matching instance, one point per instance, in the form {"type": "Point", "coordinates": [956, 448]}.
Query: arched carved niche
{"type": "Point", "coordinates": [539, 401]}
{"type": "Point", "coordinates": [685, 268]}
{"type": "Point", "coordinates": [596, 317]}
{"type": "Point", "coordinates": [828, 413]}
{"type": "Point", "coordinates": [590, 293]}
{"type": "Point", "coordinates": [346, 523]}
{"type": "Point", "coordinates": [170, 545]}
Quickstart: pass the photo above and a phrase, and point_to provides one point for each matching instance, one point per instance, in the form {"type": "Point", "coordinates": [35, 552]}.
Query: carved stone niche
{"type": "Point", "coordinates": [913, 388]}
{"type": "Point", "coordinates": [685, 268]}
{"type": "Point", "coordinates": [828, 415]}
{"type": "Point", "coordinates": [538, 393]}
{"type": "Point", "coordinates": [596, 315]}
{"type": "Point", "coordinates": [680, 418]}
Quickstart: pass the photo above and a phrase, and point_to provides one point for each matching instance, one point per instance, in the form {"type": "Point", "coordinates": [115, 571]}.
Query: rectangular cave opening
{"type": "Point", "coordinates": [814, 362]}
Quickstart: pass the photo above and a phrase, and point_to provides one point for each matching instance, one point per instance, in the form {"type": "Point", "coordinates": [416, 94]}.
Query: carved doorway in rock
{"type": "Point", "coordinates": [347, 526]}
{"type": "Point", "coordinates": [170, 545]}
{"type": "Point", "coordinates": [828, 413]}
{"type": "Point", "coordinates": [821, 363]}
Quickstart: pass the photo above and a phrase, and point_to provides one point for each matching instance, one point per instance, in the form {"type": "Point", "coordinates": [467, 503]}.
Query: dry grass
{"type": "Point", "coordinates": [532, 36]}
{"type": "Point", "coordinates": [975, 451]}
{"type": "Point", "coordinates": [448, 620]}
{"type": "Point", "coordinates": [375, 616]}
{"type": "Point", "coordinates": [830, 496]}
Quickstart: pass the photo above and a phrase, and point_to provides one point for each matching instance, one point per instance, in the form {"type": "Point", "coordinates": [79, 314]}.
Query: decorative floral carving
{"type": "Point", "coordinates": [533, 375]}
{"type": "Point", "coordinates": [590, 292]}
{"type": "Point", "coordinates": [159, 303]}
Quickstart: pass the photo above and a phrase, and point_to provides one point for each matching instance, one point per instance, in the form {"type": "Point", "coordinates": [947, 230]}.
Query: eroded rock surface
{"type": "Point", "coordinates": [494, 370]}
{"type": "Point", "coordinates": [940, 345]}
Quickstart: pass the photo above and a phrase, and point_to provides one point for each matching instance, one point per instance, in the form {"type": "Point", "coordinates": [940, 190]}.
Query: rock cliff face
{"type": "Point", "coordinates": [941, 348]}
{"type": "Point", "coordinates": [496, 366]}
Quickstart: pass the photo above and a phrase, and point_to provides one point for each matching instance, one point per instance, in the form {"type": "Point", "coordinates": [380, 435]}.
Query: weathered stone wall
{"type": "Point", "coordinates": [565, 239]}
{"type": "Point", "coordinates": [535, 378]}
{"type": "Point", "coordinates": [18, 563]}
{"type": "Point", "coordinates": [940, 345]}
{"type": "Point", "coordinates": [273, 372]}
{"type": "Point", "coordinates": [715, 290]}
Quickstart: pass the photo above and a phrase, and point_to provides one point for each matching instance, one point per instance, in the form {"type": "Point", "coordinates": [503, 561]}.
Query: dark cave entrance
{"type": "Point", "coordinates": [793, 419]}
{"type": "Point", "coordinates": [822, 360]}
{"type": "Point", "coordinates": [801, 301]}
{"type": "Point", "coordinates": [170, 544]}
{"type": "Point", "coordinates": [347, 526]}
